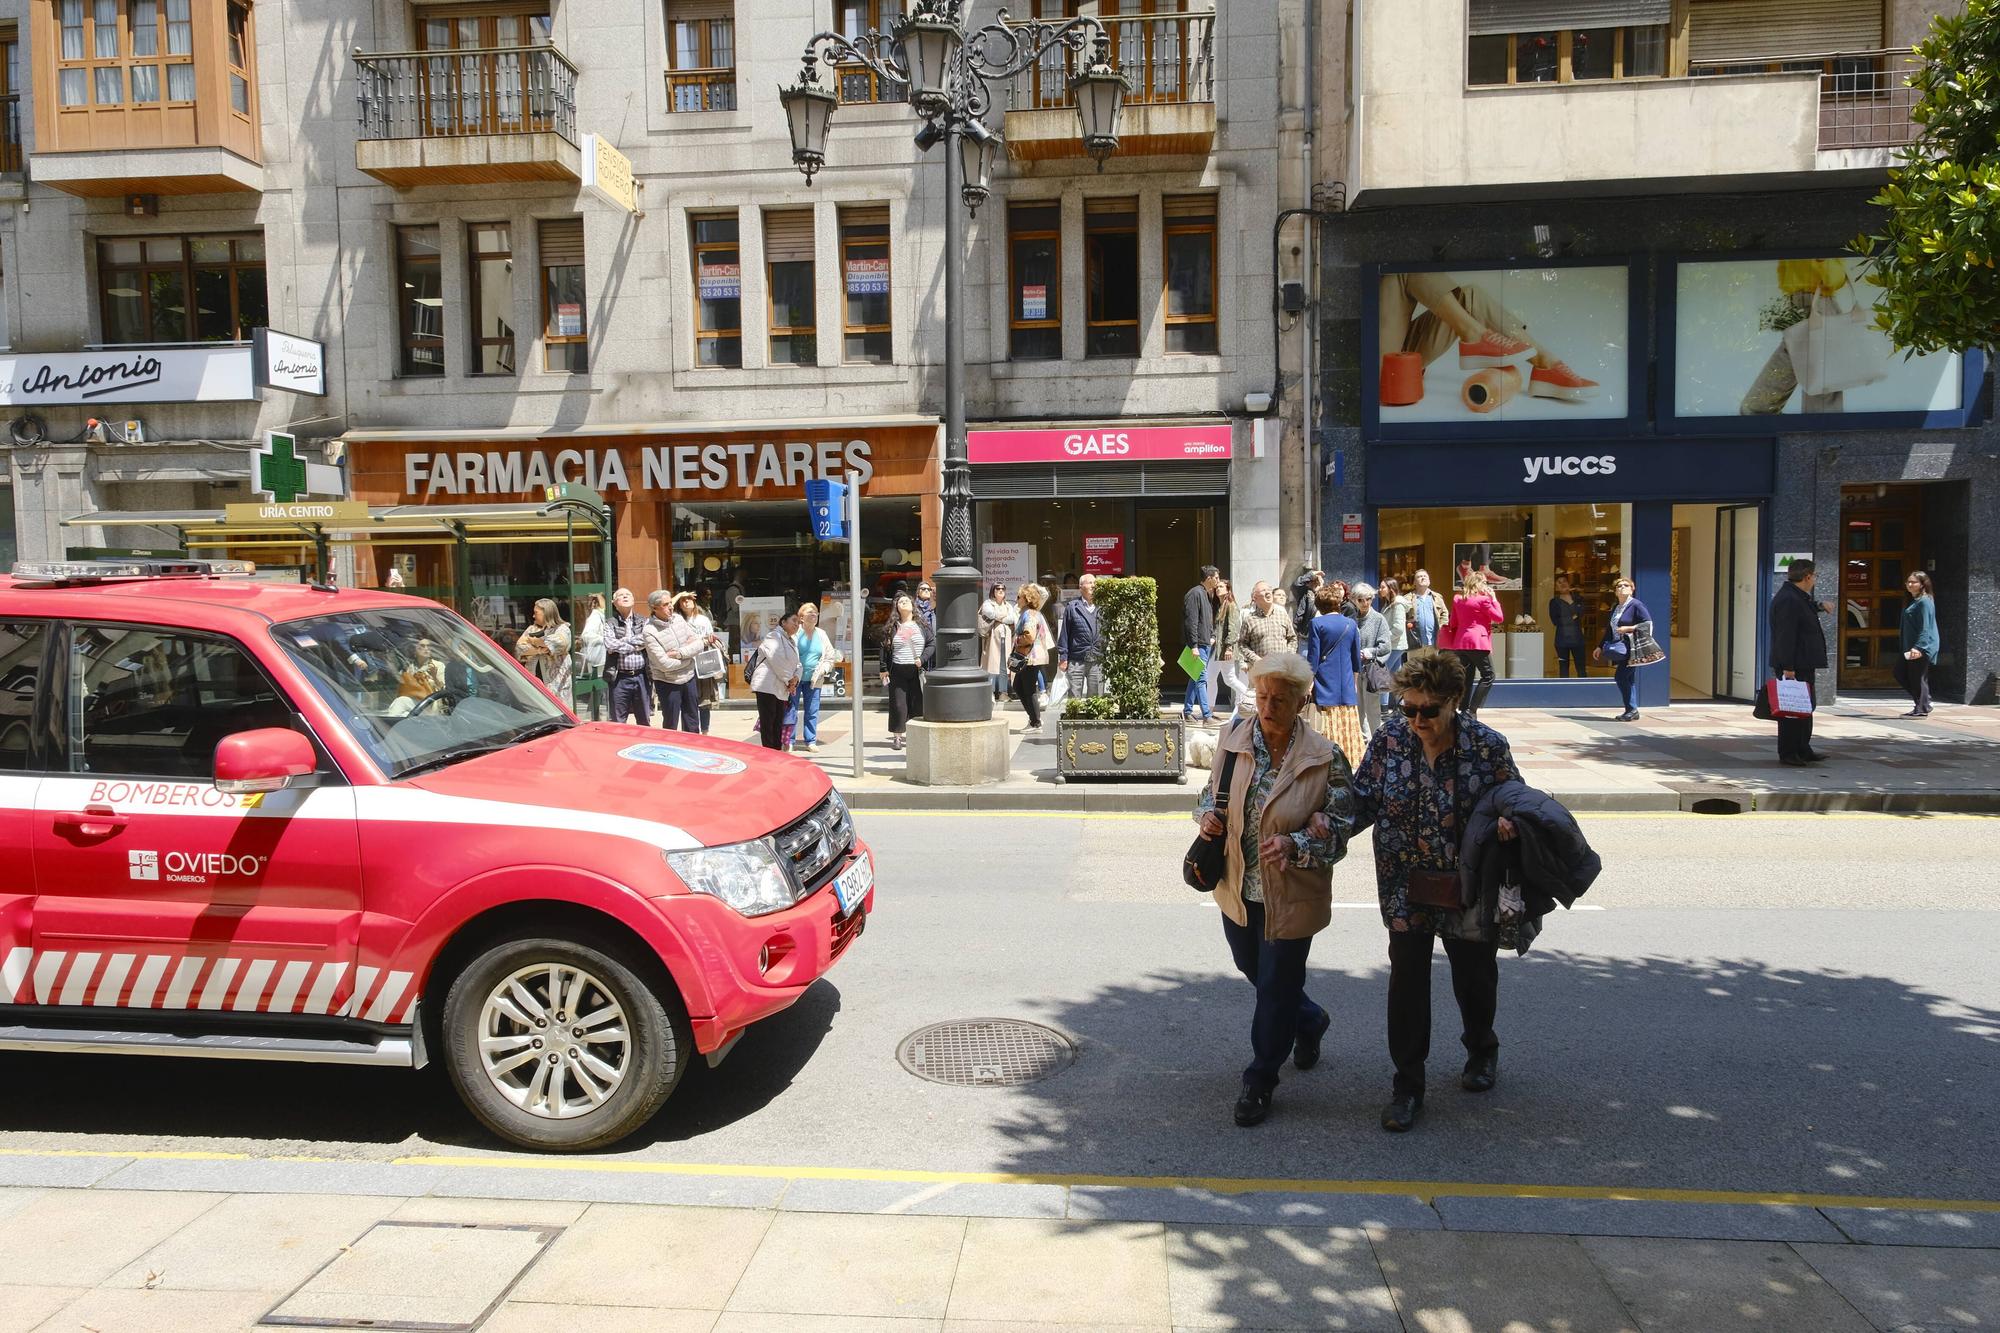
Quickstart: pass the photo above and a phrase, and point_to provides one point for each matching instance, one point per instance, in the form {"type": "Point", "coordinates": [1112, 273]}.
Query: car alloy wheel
{"type": "Point", "coordinates": [554, 1041]}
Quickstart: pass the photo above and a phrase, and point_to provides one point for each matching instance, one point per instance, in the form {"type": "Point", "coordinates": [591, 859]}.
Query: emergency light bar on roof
{"type": "Point", "coordinates": [99, 571]}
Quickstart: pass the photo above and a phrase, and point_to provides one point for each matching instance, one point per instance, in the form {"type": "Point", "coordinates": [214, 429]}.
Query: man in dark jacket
{"type": "Point", "coordinates": [1080, 642]}
{"type": "Point", "coordinates": [1303, 609]}
{"type": "Point", "coordinates": [1198, 633]}
{"type": "Point", "coordinates": [1798, 650]}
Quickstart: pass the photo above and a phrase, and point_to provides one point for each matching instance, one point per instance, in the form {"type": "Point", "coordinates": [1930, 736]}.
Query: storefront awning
{"type": "Point", "coordinates": [385, 522]}
{"type": "Point", "coordinates": [762, 425]}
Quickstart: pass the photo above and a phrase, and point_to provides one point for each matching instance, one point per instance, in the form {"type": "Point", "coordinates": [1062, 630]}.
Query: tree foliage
{"type": "Point", "coordinates": [1129, 611]}
{"type": "Point", "coordinates": [1934, 258]}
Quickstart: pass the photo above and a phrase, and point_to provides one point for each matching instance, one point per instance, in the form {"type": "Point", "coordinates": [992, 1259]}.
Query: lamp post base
{"type": "Point", "coordinates": [957, 754]}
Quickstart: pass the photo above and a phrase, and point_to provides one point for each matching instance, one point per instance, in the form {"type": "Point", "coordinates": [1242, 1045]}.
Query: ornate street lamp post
{"type": "Point", "coordinates": [949, 70]}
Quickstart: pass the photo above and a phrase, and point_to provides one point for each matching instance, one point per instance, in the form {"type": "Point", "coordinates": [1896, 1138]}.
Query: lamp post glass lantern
{"type": "Point", "coordinates": [949, 71]}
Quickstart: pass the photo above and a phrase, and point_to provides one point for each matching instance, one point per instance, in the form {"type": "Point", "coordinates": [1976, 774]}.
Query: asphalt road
{"type": "Point", "coordinates": [1762, 1003]}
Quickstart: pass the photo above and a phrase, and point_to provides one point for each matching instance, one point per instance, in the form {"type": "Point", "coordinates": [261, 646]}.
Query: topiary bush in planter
{"type": "Point", "coordinates": [1121, 734]}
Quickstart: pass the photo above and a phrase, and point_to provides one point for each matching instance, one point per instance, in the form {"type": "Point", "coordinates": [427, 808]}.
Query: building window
{"type": "Point", "coordinates": [145, 283]}
{"type": "Point", "coordinates": [718, 290]}
{"type": "Point", "coordinates": [420, 301]}
{"type": "Point", "coordinates": [240, 41]}
{"type": "Point", "coordinates": [1567, 55]}
{"type": "Point", "coordinates": [138, 52]}
{"type": "Point", "coordinates": [701, 55]}
{"type": "Point", "coordinates": [10, 99]}
{"type": "Point", "coordinates": [864, 275]}
{"type": "Point", "coordinates": [854, 18]}
{"type": "Point", "coordinates": [1111, 277]}
{"type": "Point", "coordinates": [490, 258]}
{"type": "Point", "coordinates": [788, 277]}
{"type": "Point", "coordinates": [564, 336]}
{"type": "Point", "coordinates": [1189, 247]}
{"type": "Point", "coordinates": [1034, 281]}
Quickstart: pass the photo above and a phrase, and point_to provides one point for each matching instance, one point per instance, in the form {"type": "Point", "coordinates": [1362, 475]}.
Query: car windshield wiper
{"type": "Point", "coordinates": [453, 756]}
{"type": "Point", "coordinates": [536, 730]}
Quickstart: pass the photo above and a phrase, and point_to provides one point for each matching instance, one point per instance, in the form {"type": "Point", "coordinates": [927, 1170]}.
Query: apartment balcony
{"type": "Point", "coordinates": [1168, 61]}
{"type": "Point", "coordinates": [478, 117]}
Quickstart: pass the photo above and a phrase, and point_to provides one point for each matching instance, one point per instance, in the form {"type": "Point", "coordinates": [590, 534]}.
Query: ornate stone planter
{"type": "Point", "coordinates": [1128, 751]}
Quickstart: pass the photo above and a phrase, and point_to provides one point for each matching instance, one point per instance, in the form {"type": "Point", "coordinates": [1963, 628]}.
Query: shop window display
{"type": "Point", "coordinates": [1521, 550]}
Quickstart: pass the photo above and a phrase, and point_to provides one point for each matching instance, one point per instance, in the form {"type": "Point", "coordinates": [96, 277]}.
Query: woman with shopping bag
{"type": "Point", "coordinates": [1628, 645]}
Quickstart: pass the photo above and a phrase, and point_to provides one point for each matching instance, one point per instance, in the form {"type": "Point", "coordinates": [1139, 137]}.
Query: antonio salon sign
{"type": "Point", "coordinates": [127, 375]}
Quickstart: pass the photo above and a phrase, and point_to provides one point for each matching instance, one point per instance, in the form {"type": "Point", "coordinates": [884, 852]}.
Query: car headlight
{"type": "Point", "coordinates": [750, 876]}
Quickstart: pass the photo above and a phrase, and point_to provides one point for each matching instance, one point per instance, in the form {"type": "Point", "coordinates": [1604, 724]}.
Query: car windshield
{"type": "Point", "coordinates": [418, 687]}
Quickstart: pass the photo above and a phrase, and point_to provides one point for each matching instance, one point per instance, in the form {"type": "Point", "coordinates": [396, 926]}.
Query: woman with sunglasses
{"type": "Point", "coordinates": [1418, 784]}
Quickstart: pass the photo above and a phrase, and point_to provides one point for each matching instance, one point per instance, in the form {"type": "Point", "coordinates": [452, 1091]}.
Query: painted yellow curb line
{"type": "Point", "coordinates": [1424, 1190]}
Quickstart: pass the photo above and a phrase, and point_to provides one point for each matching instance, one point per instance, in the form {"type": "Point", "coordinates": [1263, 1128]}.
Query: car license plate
{"type": "Point", "coordinates": [854, 883]}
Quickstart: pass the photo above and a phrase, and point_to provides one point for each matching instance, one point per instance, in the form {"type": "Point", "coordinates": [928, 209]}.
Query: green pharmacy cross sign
{"type": "Point", "coordinates": [281, 473]}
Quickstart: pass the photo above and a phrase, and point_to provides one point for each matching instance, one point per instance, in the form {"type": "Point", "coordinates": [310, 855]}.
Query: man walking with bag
{"type": "Point", "coordinates": [1198, 636]}
{"type": "Point", "coordinates": [1798, 650]}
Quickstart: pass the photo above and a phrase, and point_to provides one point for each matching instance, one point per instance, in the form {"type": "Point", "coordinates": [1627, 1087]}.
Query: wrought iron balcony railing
{"type": "Point", "coordinates": [453, 94]}
{"type": "Point", "coordinates": [1165, 58]}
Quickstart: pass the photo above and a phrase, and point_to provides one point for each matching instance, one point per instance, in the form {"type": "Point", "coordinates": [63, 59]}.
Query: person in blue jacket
{"type": "Point", "coordinates": [1333, 646]}
{"type": "Point", "coordinates": [1920, 644]}
{"type": "Point", "coordinates": [1627, 616]}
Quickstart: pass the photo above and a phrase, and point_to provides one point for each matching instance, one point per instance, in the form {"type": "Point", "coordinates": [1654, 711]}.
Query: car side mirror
{"type": "Point", "coordinates": [268, 759]}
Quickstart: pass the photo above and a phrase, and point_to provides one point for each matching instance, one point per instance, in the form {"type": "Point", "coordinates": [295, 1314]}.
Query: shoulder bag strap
{"type": "Point", "coordinates": [1223, 784]}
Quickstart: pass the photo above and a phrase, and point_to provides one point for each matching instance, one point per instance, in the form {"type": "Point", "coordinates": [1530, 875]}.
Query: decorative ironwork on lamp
{"type": "Point", "coordinates": [809, 108]}
{"type": "Point", "coordinates": [1098, 90]}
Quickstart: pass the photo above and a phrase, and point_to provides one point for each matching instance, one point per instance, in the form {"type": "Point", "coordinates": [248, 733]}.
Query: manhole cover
{"type": "Point", "coordinates": [986, 1053]}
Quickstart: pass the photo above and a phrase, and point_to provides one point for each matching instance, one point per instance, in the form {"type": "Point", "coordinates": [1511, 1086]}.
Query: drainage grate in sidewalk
{"type": "Point", "coordinates": [439, 1277]}
{"type": "Point", "coordinates": [986, 1053]}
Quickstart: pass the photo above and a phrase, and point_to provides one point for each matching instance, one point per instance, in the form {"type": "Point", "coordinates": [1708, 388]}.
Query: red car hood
{"type": "Point", "coordinates": [716, 791]}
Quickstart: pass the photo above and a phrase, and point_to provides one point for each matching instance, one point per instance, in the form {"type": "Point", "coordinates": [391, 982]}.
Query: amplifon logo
{"type": "Point", "coordinates": [1574, 465]}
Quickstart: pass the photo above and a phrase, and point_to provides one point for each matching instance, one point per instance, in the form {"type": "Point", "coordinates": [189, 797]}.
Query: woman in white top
{"type": "Point", "coordinates": [1031, 639]}
{"type": "Point", "coordinates": [903, 644]}
{"type": "Point", "coordinates": [591, 641]}
{"type": "Point", "coordinates": [776, 677]}
{"type": "Point", "coordinates": [708, 689]}
{"type": "Point", "coordinates": [544, 649]}
{"type": "Point", "coordinates": [996, 637]}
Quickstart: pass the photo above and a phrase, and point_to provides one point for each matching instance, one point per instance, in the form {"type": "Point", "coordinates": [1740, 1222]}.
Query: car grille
{"type": "Point", "coordinates": [815, 845]}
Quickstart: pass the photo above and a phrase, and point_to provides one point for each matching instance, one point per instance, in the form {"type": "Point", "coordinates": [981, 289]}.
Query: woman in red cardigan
{"type": "Point", "coordinates": [1474, 613]}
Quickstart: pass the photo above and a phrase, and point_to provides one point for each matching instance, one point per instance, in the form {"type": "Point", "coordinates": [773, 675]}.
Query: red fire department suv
{"type": "Point", "coordinates": [268, 821]}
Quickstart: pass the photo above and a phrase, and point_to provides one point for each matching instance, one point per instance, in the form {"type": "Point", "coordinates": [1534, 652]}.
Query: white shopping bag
{"type": "Point", "coordinates": [1834, 350]}
{"type": "Point", "coordinates": [1791, 698]}
{"type": "Point", "coordinates": [1058, 690]}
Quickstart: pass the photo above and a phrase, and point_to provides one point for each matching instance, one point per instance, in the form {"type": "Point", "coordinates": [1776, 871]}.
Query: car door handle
{"type": "Point", "coordinates": [93, 821]}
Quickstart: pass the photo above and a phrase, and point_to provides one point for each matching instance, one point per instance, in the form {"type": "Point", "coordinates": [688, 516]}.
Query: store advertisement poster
{"type": "Point", "coordinates": [1034, 300]}
{"type": "Point", "coordinates": [1104, 555]}
{"type": "Point", "coordinates": [867, 277]}
{"type": "Point", "coordinates": [755, 616]}
{"type": "Point", "coordinates": [1011, 563]}
{"type": "Point", "coordinates": [1505, 345]}
{"type": "Point", "coordinates": [721, 282]}
{"type": "Point", "coordinates": [569, 320]}
{"type": "Point", "coordinates": [1781, 337]}
{"type": "Point", "coordinates": [833, 619]}
{"type": "Point", "coordinates": [1501, 563]}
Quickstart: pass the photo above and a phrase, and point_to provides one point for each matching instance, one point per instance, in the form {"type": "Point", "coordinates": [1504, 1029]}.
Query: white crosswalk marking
{"type": "Point", "coordinates": [76, 986]}
{"type": "Point", "coordinates": [252, 989]}
{"type": "Point", "coordinates": [112, 984]}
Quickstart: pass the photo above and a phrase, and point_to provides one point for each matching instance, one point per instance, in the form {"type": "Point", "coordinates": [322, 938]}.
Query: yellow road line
{"type": "Point", "coordinates": [1425, 1190]}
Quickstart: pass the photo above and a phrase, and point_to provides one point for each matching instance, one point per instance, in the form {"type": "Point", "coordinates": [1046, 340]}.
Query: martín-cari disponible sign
{"type": "Point", "coordinates": [135, 375]}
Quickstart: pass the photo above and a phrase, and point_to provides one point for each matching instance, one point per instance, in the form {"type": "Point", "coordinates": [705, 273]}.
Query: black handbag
{"type": "Point", "coordinates": [1206, 864]}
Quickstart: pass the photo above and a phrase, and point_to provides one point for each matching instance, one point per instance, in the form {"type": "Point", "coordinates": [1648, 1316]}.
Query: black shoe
{"type": "Point", "coordinates": [1305, 1051]}
{"type": "Point", "coordinates": [1253, 1106]}
{"type": "Point", "coordinates": [1400, 1115]}
{"type": "Point", "coordinates": [1481, 1072]}
{"type": "Point", "coordinates": [1814, 757]}
{"type": "Point", "coordinates": [1792, 761]}
{"type": "Point", "coordinates": [1914, 712]}
{"type": "Point", "coordinates": [1629, 715]}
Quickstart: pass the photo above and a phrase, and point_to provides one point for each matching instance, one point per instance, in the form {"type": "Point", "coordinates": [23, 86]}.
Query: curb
{"type": "Point", "coordinates": [1171, 798]}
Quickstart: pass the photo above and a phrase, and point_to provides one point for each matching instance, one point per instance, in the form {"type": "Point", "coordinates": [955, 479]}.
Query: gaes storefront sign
{"type": "Point", "coordinates": [1108, 443]}
{"type": "Point", "coordinates": [151, 375]}
{"type": "Point", "coordinates": [785, 465]}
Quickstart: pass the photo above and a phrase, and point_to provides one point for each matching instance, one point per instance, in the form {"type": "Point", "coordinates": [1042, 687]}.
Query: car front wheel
{"type": "Point", "coordinates": [560, 1045]}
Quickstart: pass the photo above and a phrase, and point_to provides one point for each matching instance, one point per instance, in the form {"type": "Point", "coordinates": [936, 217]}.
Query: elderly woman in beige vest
{"type": "Point", "coordinates": [1278, 890]}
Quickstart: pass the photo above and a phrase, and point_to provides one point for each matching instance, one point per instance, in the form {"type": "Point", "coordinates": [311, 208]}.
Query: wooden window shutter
{"type": "Point", "coordinates": [1486, 17]}
{"type": "Point", "coordinates": [691, 11]}
{"type": "Point", "coordinates": [1753, 31]}
{"type": "Point", "coordinates": [864, 215]}
{"type": "Point", "coordinates": [1188, 206]}
{"type": "Point", "coordinates": [788, 236]}
{"type": "Point", "coordinates": [561, 241]}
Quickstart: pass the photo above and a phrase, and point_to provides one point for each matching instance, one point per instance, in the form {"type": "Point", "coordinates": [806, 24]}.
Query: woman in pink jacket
{"type": "Point", "coordinates": [1474, 613]}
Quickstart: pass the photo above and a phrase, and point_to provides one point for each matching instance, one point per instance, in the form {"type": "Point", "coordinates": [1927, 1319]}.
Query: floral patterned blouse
{"type": "Point", "coordinates": [1419, 810]}
{"type": "Point", "coordinates": [1338, 808]}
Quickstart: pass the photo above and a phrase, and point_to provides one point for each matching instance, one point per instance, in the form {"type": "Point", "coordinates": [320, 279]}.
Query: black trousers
{"type": "Point", "coordinates": [1027, 684]}
{"type": "Point", "coordinates": [1478, 676]}
{"type": "Point", "coordinates": [906, 695]}
{"type": "Point", "coordinates": [1795, 733]}
{"type": "Point", "coordinates": [771, 719]}
{"type": "Point", "coordinates": [1565, 656]}
{"type": "Point", "coordinates": [1914, 675]}
{"type": "Point", "coordinates": [680, 705]}
{"type": "Point", "coordinates": [1475, 980]}
{"type": "Point", "coordinates": [1277, 968]}
{"type": "Point", "coordinates": [632, 697]}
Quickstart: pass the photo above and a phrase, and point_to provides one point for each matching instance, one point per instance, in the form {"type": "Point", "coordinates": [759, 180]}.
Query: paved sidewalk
{"type": "Point", "coordinates": [1671, 759]}
{"type": "Point", "coordinates": [929, 1257]}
